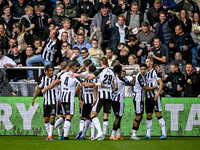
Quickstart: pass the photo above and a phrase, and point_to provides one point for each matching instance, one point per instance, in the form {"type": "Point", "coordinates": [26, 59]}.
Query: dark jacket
{"type": "Point", "coordinates": [9, 25]}
{"type": "Point", "coordinates": [97, 6]}
{"type": "Point", "coordinates": [57, 53]}
{"type": "Point", "coordinates": [153, 15]}
{"type": "Point", "coordinates": [196, 8]}
{"type": "Point", "coordinates": [3, 42]}
{"type": "Point", "coordinates": [85, 8]}
{"type": "Point", "coordinates": [186, 29]}
{"type": "Point", "coordinates": [128, 17]}
{"type": "Point", "coordinates": [69, 60]}
{"type": "Point", "coordinates": [4, 82]}
{"type": "Point", "coordinates": [175, 78]}
{"type": "Point", "coordinates": [117, 10]}
{"type": "Point", "coordinates": [115, 37]}
{"type": "Point", "coordinates": [197, 57]}
{"type": "Point", "coordinates": [192, 90]}
{"type": "Point", "coordinates": [187, 40]}
{"type": "Point", "coordinates": [166, 30]}
{"type": "Point", "coordinates": [17, 10]}
{"type": "Point", "coordinates": [182, 65]}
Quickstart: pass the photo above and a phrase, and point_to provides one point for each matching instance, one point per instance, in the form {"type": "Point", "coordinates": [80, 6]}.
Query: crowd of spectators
{"type": "Point", "coordinates": [42, 32]}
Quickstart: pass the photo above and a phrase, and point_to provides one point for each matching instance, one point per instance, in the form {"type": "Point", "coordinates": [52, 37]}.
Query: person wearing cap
{"type": "Point", "coordinates": [104, 19]}
{"type": "Point", "coordinates": [97, 6]}
{"type": "Point", "coordinates": [19, 75]}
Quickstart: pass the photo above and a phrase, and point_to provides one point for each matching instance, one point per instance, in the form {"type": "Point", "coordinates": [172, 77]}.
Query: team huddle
{"type": "Point", "coordinates": [97, 89]}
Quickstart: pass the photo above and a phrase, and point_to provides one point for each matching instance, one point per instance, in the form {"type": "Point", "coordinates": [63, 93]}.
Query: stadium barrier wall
{"type": "Point", "coordinates": [182, 117]}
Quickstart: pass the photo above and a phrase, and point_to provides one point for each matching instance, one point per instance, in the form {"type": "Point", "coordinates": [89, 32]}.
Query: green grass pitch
{"type": "Point", "coordinates": [39, 143]}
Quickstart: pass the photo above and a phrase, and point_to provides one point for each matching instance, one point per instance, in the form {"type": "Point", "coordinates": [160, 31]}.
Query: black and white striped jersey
{"type": "Point", "coordinates": [87, 93]}
{"type": "Point", "coordinates": [50, 96]}
{"type": "Point", "coordinates": [49, 50]}
{"type": "Point", "coordinates": [59, 85]}
{"type": "Point", "coordinates": [106, 76]}
{"type": "Point", "coordinates": [138, 88]}
{"type": "Point", "coordinates": [120, 93]}
{"type": "Point", "coordinates": [68, 87]}
{"type": "Point", "coordinates": [152, 78]}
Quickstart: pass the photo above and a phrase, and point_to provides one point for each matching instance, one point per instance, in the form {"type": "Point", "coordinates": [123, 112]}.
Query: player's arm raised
{"type": "Point", "coordinates": [50, 85]}
{"type": "Point", "coordinates": [37, 91]}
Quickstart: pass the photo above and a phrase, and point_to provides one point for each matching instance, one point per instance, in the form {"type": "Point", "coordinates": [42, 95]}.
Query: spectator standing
{"type": "Point", "coordinates": [153, 13]}
{"type": "Point", "coordinates": [121, 7]}
{"type": "Point", "coordinates": [104, 19]}
{"type": "Point", "coordinates": [19, 75]}
{"type": "Point", "coordinates": [185, 21]}
{"type": "Point", "coordinates": [18, 8]}
{"type": "Point", "coordinates": [45, 4]}
{"type": "Point", "coordinates": [97, 6]}
{"type": "Point", "coordinates": [39, 20]}
{"type": "Point", "coordinates": [164, 30]}
{"type": "Point", "coordinates": [134, 18]}
{"type": "Point", "coordinates": [175, 81]}
{"type": "Point", "coordinates": [69, 9]}
{"type": "Point", "coordinates": [6, 18]}
{"type": "Point", "coordinates": [25, 20]}
{"type": "Point", "coordinates": [66, 28]}
{"type": "Point", "coordinates": [59, 16]}
{"type": "Point", "coordinates": [181, 42]}
{"type": "Point", "coordinates": [190, 6]}
{"type": "Point", "coordinates": [85, 7]}
{"type": "Point", "coordinates": [145, 40]}
{"type": "Point", "coordinates": [47, 30]}
{"type": "Point", "coordinates": [192, 82]}
{"type": "Point", "coordinates": [3, 37]}
{"type": "Point", "coordinates": [195, 33]}
{"type": "Point", "coordinates": [119, 33]}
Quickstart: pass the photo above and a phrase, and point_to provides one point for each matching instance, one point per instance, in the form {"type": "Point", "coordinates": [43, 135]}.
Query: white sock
{"type": "Point", "coordinates": [118, 132]}
{"type": "Point", "coordinates": [67, 126]}
{"type": "Point", "coordinates": [81, 124]}
{"type": "Point", "coordinates": [149, 125]}
{"type": "Point", "coordinates": [59, 130]}
{"type": "Point", "coordinates": [47, 127]}
{"type": "Point", "coordinates": [113, 133]}
{"type": "Point", "coordinates": [51, 127]}
{"type": "Point", "coordinates": [105, 126]}
{"type": "Point", "coordinates": [58, 122]}
{"type": "Point", "coordinates": [134, 132]}
{"type": "Point", "coordinates": [97, 125]}
{"type": "Point", "coordinates": [93, 130]}
{"type": "Point", "coordinates": [87, 123]}
{"type": "Point", "coordinates": [162, 125]}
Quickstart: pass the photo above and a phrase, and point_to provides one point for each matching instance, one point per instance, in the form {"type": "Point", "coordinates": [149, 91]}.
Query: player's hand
{"type": "Point", "coordinates": [80, 104]}
{"type": "Point", "coordinates": [43, 91]}
{"type": "Point", "coordinates": [156, 97]}
{"type": "Point", "coordinates": [179, 88]}
{"type": "Point", "coordinates": [94, 103]}
{"type": "Point", "coordinates": [13, 94]}
{"type": "Point", "coordinates": [102, 84]}
{"type": "Point", "coordinates": [33, 102]}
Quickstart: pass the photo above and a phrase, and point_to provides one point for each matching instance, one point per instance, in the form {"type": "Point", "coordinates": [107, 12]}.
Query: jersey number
{"type": "Point", "coordinates": [107, 79]}
{"type": "Point", "coordinates": [66, 81]}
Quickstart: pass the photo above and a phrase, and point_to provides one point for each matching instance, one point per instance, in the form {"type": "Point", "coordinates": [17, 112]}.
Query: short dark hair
{"type": "Point", "coordinates": [143, 65]}
{"type": "Point", "coordinates": [117, 68]}
{"type": "Point", "coordinates": [92, 68]}
{"type": "Point", "coordinates": [175, 64]}
{"type": "Point", "coordinates": [145, 24]}
{"type": "Point", "coordinates": [108, 48]}
{"type": "Point", "coordinates": [5, 7]}
{"type": "Point", "coordinates": [95, 40]}
{"type": "Point", "coordinates": [51, 23]}
{"type": "Point", "coordinates": [75, 48]}
{"type": "Point", "coordinates": [87, 62]}
{"type": "Point", "coordinates": [48, 67]}
{"type": "Point", "coordinates": [80, 35]}
{"type": "Point", "coordinates": [84, 49]}
{"type": "Point", "coordinates": [189, 64]}
{"type": "Point", "coordinates": [104, 60]}
{"type": "Point", "coordinates": [56, 33]}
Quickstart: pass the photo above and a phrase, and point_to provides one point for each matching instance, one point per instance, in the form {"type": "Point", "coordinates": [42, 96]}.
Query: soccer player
{"type": "Point", "coordinates": [118, 102]}
{"type": "Point", "coordinates": [68, 89]}
{"type": "Point", "coordinates": [138, 99]}
{"type": "Point", "coordinates": [153, 101]}
{"type": "Point", "coordinates": [50, 97]}
{"type": "Point", "coordinates": [89, 98]}
{"type": "Point", "coordinates": [60, 109]}
{"type": "Point", "coordinates": [106, 76]}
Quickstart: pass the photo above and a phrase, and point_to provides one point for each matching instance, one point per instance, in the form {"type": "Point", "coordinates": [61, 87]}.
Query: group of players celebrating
{"type": "Point", "coordinates": [97, 89]}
